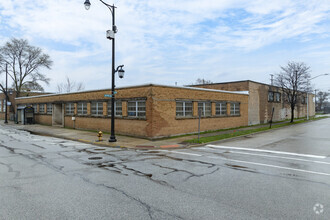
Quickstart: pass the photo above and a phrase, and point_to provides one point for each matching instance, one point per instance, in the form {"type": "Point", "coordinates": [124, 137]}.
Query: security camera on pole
{"type": "Point", "coordinates": [110, 34]}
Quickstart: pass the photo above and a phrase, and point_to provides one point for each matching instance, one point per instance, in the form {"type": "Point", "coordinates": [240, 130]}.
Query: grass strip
{"type": "Point", "coordinates": [237, 133]}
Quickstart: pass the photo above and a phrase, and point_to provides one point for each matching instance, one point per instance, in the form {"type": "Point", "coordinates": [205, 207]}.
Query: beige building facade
{"type": "Point", "coordinates": [263, 98]}
{"type": "Point", "coordinates": [149, 111]}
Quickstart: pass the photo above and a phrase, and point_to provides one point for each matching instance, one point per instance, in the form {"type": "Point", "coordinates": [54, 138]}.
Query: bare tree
{"type": "Point", "coordinates": [24, 64]}
{"type": "Point", "coordinates": [69, 86]}
{"type": "Point", "coordinates": [293, 79]}
{"type": "Point", "coordinates": [202, 81]}
{"type": "Point", "coordinates": [322, 97]}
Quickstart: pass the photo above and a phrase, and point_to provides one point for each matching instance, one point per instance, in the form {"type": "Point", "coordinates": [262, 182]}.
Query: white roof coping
{"type": "Point", "coordinates": [142, 85]}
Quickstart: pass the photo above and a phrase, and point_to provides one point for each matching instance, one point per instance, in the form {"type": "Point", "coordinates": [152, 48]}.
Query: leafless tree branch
{"type": "Point", "coordinates": [24, 64]}
{"type": "Point", "coordinates": [293, 79]}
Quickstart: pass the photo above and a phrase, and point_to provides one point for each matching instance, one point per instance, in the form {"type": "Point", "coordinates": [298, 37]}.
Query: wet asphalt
{"type": "Point", "coordinates": [280, 174]}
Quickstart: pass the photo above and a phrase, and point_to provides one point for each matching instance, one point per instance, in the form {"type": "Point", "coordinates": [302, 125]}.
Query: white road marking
{"type": "Point", "coordinates": [266, 151]}
{"type": "Point", "coordinates": [274, 166]}
{"type": "Point", "coordinates": [180, 152]}
{"type": "Point", "coordinates": [247, 162]}
{"type": "Point", "coordinates": [288, 158]}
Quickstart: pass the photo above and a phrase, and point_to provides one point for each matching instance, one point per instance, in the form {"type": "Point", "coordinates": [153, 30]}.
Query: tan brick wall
{"type": "Point", "coordinates": [43, 119]}
{"type": "Point", "coordinates": [160, 117]}
{"type": "Point", "coordinates": [165, 122]}
{"type": "Point", "coordinates": [260, 110]}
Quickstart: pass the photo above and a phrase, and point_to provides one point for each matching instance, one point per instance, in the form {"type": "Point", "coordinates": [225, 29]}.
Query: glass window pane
{"type": "Point", "coordinates": [270, 96]}
{"type": "Point", "coordinates": [118, 108]}
{"type": "Point", "coordinates": [42, 108]}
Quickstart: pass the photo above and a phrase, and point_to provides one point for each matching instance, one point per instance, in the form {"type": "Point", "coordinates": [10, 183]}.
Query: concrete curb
{"type": "Point", "coordinates": [147, 146]}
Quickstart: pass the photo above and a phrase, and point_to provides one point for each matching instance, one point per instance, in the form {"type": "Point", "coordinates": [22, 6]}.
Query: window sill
{"type": "Point", "coordinates": [182, 117]}
{"type": "Point", "coordinates": [135, 118]}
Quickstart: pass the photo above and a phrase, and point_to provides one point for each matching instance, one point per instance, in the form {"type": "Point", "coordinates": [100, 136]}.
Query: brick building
{"type": "Point", "coordinates": [11, 108]}
{"type": "Point", "coordinates": [150, 111]}
{"type": "Point", "coordinates": [263, 98]}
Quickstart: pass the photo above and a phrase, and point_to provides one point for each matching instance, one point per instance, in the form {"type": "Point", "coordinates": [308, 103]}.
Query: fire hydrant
{"type": "Point", "coordinates": [100, 135]}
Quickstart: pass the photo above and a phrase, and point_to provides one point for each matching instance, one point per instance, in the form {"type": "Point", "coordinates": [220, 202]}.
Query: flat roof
{"type": "Point", "coordinates": [137, 86]}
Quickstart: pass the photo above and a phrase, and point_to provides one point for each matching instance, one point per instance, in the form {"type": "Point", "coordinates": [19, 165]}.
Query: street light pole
{"type": "Point", "coordinates": [111, 36]}
{"type": "Point", "coordinates": [308, 80]}
{"type": "Point", "coordinates": [6, 111]}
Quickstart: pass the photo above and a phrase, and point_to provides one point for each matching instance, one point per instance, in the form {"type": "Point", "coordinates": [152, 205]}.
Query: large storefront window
{"type": "Point", "coordinates": [97, 108]}
{"type": "Point", "coordinates": [136, 109]}
{"type": "Point", "coordinates": [205, 108]}
{"type": "Point", "coordinates": [184, 109]}
{"type": "Point", "coordinates": [221, 108]}
{"type": "Point", "coordinates": [82, 108]}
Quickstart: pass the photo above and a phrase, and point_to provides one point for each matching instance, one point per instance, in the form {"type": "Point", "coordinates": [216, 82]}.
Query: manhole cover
{"type": "Point", "coordinates": [95, 158]}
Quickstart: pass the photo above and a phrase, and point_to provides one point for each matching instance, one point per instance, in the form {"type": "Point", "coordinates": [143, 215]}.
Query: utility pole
{"type": "Point", "coordinates": [271, 79]}
{"type": "Point", "coordinates": [315, 101]}
{"type": "Point", "coordinates": [6, 111]}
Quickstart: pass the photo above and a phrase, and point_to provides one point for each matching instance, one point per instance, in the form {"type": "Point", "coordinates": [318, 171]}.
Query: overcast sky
{"type": "Point", "coordinates": [171, 41]}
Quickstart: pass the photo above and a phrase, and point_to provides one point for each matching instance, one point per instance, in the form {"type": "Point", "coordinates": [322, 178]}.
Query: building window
{"type": "Point", "coordinates": [1, 106]}
{"type": "Point", "coordinates": [69, 108]}
{"type": "Point", "coordinates": [136, 109]}
{"type": "Point", "coordinates": [97, 108]}
{"type": "Point", "coordinates": [303, 100]}
{"type": "Point", "coordinates": [118, 108]}
{"type": "Point", "coordinates": [49, 108]}
{"type": "Point", "coordinates": [277, 97]}
{"type": "Point", "coordinates": [270, 96]}
{"type": "Point", "coordinates": [184, 108]}
{"type": "Point", "coordinates": [234, 108]}
{"type": "Point", "coordinates": [221, 108]}
{"type": "Point", "coordinates": [34, 107]}
{"type": "Point", "coordinates": [205, 108]}
{"type": "Point", "coordinates": [82, 108]}
{"type": "Point", "coordinates": [41, 108]}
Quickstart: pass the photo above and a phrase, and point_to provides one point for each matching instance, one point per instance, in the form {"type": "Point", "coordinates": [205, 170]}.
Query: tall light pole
{"type": "Point", "coordinates": [308, 80]}
{"type": "Point", "coordinates": [111, 36]}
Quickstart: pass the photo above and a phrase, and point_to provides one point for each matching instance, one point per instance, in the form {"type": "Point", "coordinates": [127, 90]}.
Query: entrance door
{"type": "Point", "coordinates": [58, 115]}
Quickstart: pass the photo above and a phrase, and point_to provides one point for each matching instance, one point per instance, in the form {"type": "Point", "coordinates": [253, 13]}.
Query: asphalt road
{"type": "Point", "coordinates": [282, 174]}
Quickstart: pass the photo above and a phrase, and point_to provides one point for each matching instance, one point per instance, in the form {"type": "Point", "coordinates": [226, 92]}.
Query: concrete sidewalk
{"type": "Point", "coordinates": [91, 137]}
{"type": "Point", "coordinates": [122, 141]}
